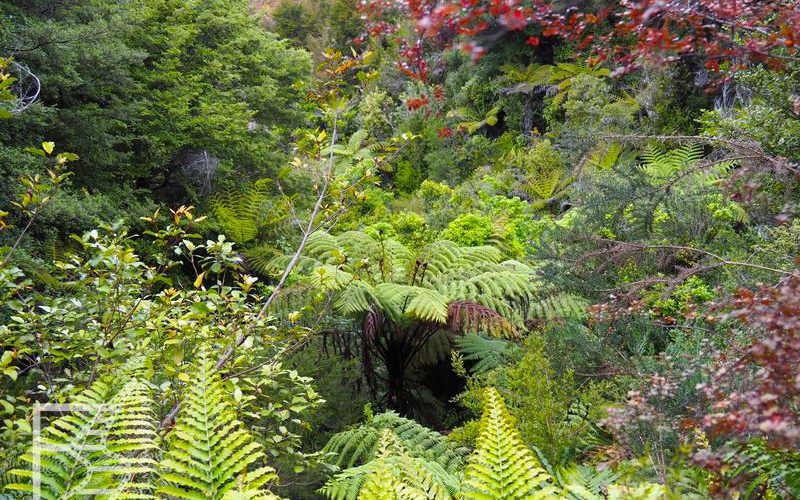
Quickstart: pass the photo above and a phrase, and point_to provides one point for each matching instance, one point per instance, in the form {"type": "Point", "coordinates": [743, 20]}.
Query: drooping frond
{"type": "Point", "coordinates": [487, 353]}
{"type": "Point", "coordinates": [357, 297]}
{"type": "Point", "coordinates": [465, 316]}
{"type": "Point", "coordinates": [268, 260]}
{"type": "Point", "coordinates": [393, 473]}
{"type": "Point", "coordinates": [501, 466]}
{"type": "Point", "coordinates": [436, 349]}
{"type": "Point", "coordinates": [105, 444]}
{"type": "Point", "coordinates": [413, 302]}
{"type": "Point", "coordinates": [210, 454]}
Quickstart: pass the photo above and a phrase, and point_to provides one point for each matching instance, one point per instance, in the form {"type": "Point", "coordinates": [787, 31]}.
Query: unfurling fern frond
{"type": "Point", "coordinates": [104, 446]}
{"type": "Point", "coordinates": [487, 353]}
{"type": "Point", "coordinates": [393, 473]}
{"type": "Point", "coordinates": [210, 454]}
{"type": "Point", "coordinates": [501, 466]}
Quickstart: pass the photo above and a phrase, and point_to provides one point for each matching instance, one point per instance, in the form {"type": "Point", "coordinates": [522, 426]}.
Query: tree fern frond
{"type": "Point", "coordinates": [267, 260]}
{"type": "Point", "coordinates": [330, 277]}
{"type": "Point", "coordinates": [436, 349]}
{"type": "Point", "coordinates": [242, 213]}
{"type": "Point", "coordinates": [501, 466]}
{"type": "Point", "coordinates": [359, 445]}
{"type": "Point", "coordinates": [357, 297]}
{"type": "Point", "coordinates": [467, 316]}
{"type": "Point", "coordinates": [412, 302]}
{"type": "Point", "coordinates": [559, 306]}
{"type": "Point", "coordinates": [605, 155]}
{"type": "Point", "coordinates": [486, 353]}
{"type": "Point", "coordinates": [393, 473]}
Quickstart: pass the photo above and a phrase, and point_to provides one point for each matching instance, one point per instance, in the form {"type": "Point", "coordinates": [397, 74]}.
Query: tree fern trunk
{"type": "Point", "coordinates": [527, 116]}
{"type": "Point", "coordinates": [395, 372]}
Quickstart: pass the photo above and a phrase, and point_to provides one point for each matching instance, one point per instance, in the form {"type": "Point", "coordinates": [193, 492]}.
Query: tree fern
{"type": "Point", "coordinates": [501, 466]}
{"type": "Point", "coordinates": [243, 213]}
{"type": "Point", "coordinates": [405, 297]}
{"type": "Point", "coordinates": [556, 79]}
{"type": "Point", "coordinates": [210, 454]}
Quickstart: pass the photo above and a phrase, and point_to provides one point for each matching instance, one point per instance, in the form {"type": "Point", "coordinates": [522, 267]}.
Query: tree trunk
{"type": "Point", "coordinates": [395, 361]}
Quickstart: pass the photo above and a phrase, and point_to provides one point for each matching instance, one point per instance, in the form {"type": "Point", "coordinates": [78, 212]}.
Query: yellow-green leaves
{"type": "Point", "coordinates": [210, 453]}
{"type": "Point", "coordinates": [501, 466]}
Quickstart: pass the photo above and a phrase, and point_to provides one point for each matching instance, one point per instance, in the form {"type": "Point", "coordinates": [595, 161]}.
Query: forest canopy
{"type": "Point", "coordinates": [379, 249]}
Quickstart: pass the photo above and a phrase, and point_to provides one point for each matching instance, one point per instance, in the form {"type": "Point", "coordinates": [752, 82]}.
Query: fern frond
{"type": "Point", "coordinates": [605, 155]}
{"type": "Point", "coordinates": [359, 445]}
{"type": "Point", "coordinates": [267, 260]}
{"type": "Point", "coordinates": [242, 213]}
{"type": "Point", "coordinates": [105, 445]}
{"type": "Point", "coordinates": [559, 306]}
{"type": "Point", "coordinates": [393, 474]}
{"type": "Point", "coordinates": [486, 353]}
{"type": "Point", "coordinates": [466, 316]}
{"type": "Point", "coordinates": [209, 451]}
{"type": "Point", "coordinates": [412, 302]}
{"type": "Point", "coordinates": [501, 466]}
{"type": "Point", "coordinates": [587, 482]}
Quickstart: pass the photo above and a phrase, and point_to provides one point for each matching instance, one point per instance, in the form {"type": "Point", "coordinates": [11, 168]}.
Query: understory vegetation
{"type": "Point", "coordinates": [394, 250]}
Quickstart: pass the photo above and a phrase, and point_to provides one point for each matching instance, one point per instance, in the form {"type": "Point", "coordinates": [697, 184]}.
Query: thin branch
{"type": "Point", "coordinates": [21, 235]}
{"type": "Point", "coordinates": [310, 229]}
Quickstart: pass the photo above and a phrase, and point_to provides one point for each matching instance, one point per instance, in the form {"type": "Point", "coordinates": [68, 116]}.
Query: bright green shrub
{"type": "Point", "coordinates": [470, 230]}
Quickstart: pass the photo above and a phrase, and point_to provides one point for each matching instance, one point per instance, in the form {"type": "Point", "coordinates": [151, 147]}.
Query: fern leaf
{"type": "Point", "coordinates": [486, 353]}
{"type": "Point", "coordinates": [501, 466]}
{"type": "Point", "coordinates": [104, 446]}
{"type": "Point", "coordinates": [210, 454]}
{"type": "Point", "coordinates": [393, 473]}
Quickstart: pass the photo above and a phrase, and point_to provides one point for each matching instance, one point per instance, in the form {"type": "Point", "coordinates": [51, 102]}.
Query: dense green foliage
{"type": "Point", "coordinates": [247, 252]}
